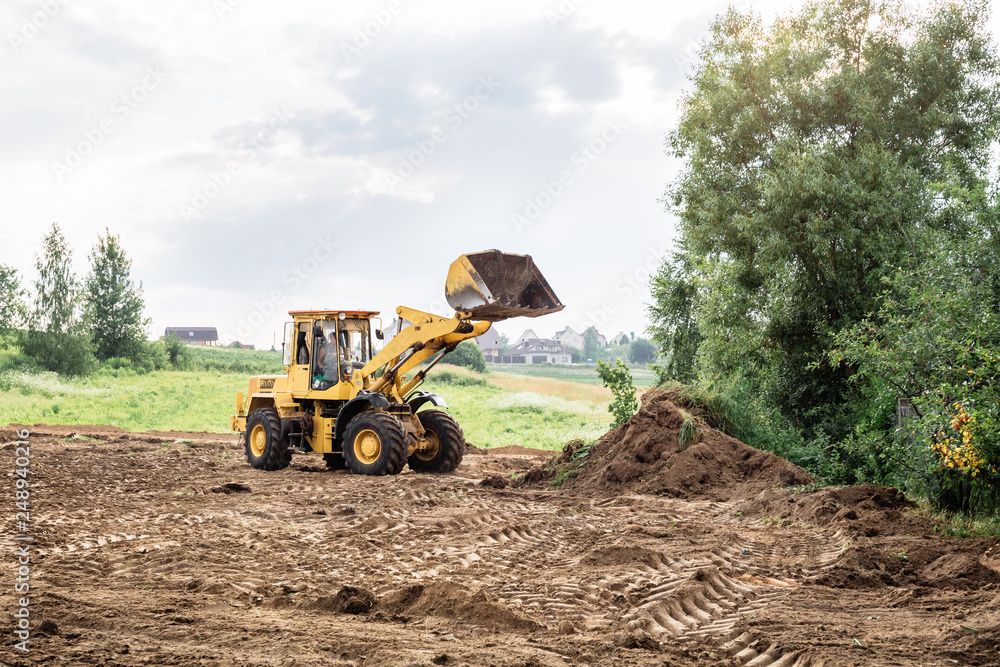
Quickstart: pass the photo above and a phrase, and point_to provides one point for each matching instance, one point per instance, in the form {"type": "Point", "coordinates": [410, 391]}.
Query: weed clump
{"type": "Point", "coordinates": [458, 379]}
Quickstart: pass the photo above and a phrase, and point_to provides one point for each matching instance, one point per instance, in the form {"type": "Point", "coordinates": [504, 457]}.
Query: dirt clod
{"type": "Point", "coordinates": [231, 487]}
{"type": "Point", "coordinates": [48, 627]}
{"type": "Point", "coordinates": [566, 627]}
{"type": "Point", "coordinates": [494, 482]}
{"type": "Point", "coordinates": [448, 600]}
{"type": "Point", "coordinates": [347, 600]}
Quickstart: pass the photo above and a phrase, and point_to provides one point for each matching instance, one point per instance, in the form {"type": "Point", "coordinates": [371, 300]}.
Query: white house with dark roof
{"type": "Point", "coordinates": [537, 351]}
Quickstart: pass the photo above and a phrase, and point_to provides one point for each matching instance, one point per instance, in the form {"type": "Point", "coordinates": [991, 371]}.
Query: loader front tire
{"type": "Point", "coordinates": [264, 447]}
{"type": "Point", "coordinates": [447, 443]}
{"type": "Point", "coordinates": [375, 444]}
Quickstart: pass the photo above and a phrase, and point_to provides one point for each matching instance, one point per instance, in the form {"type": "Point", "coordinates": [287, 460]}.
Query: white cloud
{"type": "Point", "coordinates": [352, 124]}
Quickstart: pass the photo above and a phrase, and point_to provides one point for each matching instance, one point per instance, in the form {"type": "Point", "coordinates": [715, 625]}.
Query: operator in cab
{"type": "Point", "coordinates": [328, 362]}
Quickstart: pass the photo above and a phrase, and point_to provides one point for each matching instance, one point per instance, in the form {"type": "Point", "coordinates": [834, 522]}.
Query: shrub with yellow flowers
{"type": "Point", "coordinates": [933, 348]}
{"type": "Point", "coordinates": [956, 446]}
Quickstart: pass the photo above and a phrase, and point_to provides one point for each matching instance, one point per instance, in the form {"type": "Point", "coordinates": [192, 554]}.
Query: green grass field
{"type": "Point", "coordinates": [160, 400]}
{"type": "Point", "coordinates": [642, 377]}
{"type": "Point", "coordinates": [251, 362]}
{"type": "Point", "coordinates": [203, 399]}
{"type": "Point", "coordinates": [496, 417]}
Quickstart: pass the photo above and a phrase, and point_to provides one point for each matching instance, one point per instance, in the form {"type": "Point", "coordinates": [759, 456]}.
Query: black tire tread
{"type": "Point", "coordinates": [277, 456]}
{"type": "Point", "coordinates": [451, 440]}
{"type": "Point", "coordinates": [395, 441]}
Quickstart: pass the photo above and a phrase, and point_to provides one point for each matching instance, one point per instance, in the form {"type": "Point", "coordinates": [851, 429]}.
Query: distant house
{"type": "Point", "coordinates": [601, 338]}
{"type": "Point", "coordinates": [620, 338]}
{"type": "Point", "coordinates": [490, 344]}
{"type": "Point", "coordinates": [240, 346]}
{"type": "Point", "coordinates": [527, 335]}
{"type": "Point", "coordinates": [195, 335]}
{"type": "Point", "coordinates": [569, 337]}
{"type": "Point", "coordinates": [537, 351]}
{"type": "Point", "coordinates": [573, 339]}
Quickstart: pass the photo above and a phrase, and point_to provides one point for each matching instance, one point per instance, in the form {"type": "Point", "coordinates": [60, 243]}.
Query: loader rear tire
{"type": "Point", "coordinates": [263, 444]}
{"type": "Point", "coordinates": [447, 439]}
{"type": "Point", "coordinates": [335, 461]}
{"type": "Point", "coordinates": [375, 444]}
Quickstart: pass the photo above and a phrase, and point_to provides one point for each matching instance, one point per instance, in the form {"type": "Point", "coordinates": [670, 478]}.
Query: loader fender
{"type": "Point", "coordinates": [419, 398]}
{"type": "Point", "coordinates": [258, 401]}
{"type": "Point", "coordinates": [365, 400]}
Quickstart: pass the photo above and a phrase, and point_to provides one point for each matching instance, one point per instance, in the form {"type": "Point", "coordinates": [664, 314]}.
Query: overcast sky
{"type": "Point", "coordinates": [257, 157]}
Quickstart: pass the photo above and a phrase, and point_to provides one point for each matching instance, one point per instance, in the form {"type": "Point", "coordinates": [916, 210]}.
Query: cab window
{"type": "Point", "coordinates": [352, 337]}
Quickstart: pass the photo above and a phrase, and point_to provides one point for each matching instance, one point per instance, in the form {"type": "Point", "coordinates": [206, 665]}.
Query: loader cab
{"type": "Point", "coordinates": [323, 349]}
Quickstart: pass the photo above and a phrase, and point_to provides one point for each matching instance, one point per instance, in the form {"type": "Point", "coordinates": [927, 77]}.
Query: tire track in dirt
{"type": "Point", "coordinates": [703, 599]}
{"type": "Point", "coordinates": [197, 544]}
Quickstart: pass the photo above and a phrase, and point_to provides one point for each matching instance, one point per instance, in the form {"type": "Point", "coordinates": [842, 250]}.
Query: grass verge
{"type": "Point", "coordinates": [961, 524]}
{"type": "Point", "coordinates": [203, 400]}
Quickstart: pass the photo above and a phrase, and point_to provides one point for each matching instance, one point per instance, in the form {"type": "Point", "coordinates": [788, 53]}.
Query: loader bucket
{"type": "Point", "coordinates": [493, 285]}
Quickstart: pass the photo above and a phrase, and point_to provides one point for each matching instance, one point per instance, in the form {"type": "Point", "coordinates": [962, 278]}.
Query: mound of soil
{"type": "Point", "coordinates": [645, 455]}
{"type": "Point", "coordinates": [902, 561]}
{"type": "Point", "coordinates": [451, 600]}
{"type": "Point", "coordinates": [867, 509]}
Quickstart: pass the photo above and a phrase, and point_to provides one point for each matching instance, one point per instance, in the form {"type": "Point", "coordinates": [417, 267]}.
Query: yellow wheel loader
{"type": "Point", "coordinates": [361, 410]}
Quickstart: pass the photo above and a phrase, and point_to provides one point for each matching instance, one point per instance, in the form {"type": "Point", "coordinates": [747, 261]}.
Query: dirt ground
{"type": "Point", "coordinates": [168, 549]}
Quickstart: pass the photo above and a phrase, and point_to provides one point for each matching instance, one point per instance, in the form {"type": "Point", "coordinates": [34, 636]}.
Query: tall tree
{"type": "Point", "coordinates": [114, 305]}
{"type": "Point", "coordinates": [591, 344]}
{"type": "Point", "coordinates": [808, 148]}
{"type": "Point", "coordinates": [641, 351]}
{"type": "Point", "coordinates": [674, 324]}
{"type": "Point", "coordinates": [56, 337]}
{"type": "Point", "coordinates": [56, 289]}
{"type": "Point", "coordinates": [12, 307]}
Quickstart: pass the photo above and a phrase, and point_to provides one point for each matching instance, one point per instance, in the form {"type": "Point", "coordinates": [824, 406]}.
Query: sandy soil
{"type": "Point", "coordinates": [168, 549]}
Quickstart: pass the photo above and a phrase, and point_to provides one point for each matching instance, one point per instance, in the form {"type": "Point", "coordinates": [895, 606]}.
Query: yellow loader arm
{"type": "Point", "coordinates": [482, 287]}
{"type": "Point", "coordinates": [428, 335]}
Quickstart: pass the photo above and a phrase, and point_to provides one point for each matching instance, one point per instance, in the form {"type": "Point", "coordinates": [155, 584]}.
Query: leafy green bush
{"type": "Point", "coordinates": [618, 379]}
{"type": "Point", "coordinates": [153, 357]}
{"type": "Point", "coordinates": [13, 358]}
{"type": "Point", "coordinates": [641, 351]}
{"type": "Point", "coordinates": [118, 362]}
{"type": "Point", "coordinates": [177, 351]}
{"type": "Point", "coordinates": [69, 354]}
{"type": "Point", "coordinates": [457, 379]}
{"type": "Point", "coordinates": [467, 354]}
